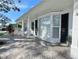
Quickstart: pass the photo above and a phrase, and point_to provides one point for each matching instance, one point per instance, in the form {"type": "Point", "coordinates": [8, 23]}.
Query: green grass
{"type": "Point", "coordinates": [1, 34]}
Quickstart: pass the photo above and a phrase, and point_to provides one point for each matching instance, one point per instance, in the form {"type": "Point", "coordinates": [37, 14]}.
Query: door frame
{"type": "Point", "coordinates": [69, 11]}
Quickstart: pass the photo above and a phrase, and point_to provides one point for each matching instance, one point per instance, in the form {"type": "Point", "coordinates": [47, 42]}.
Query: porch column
{"type": "Point", "coordinates": [17, 28]}
{"type": "Point", "coordinates": [28, 26]}
{"type": "Point", "coordinates": [34, 28]}
{"type": "Point", "coordinates": [22, 28]}
{"type": "Point", "coordinates": [74, 46]}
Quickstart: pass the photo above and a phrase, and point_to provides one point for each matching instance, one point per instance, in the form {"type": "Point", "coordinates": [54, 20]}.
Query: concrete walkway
{"type": "Point", "coordinates": [33, 50]}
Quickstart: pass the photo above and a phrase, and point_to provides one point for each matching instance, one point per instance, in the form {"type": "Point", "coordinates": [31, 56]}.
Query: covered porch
{"type": "Point", "coordinates": [45, 21]}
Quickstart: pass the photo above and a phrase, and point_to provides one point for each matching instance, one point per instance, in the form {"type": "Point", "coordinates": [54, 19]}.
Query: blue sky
{"type": "Point", "coordinates": [24, 6]}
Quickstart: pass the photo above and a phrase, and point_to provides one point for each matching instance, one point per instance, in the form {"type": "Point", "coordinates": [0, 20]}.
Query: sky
{"type": "Point", "coordinates": [24, 6]}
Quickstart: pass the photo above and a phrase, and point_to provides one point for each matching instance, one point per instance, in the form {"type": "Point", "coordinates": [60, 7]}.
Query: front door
{"type": "Point", "coordinates": [36, 27]}
{"type": "Point", "coordinates": [64, 27]}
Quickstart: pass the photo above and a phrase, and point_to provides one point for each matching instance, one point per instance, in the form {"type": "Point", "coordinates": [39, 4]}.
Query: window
{"type": "Point", "coordinates": [44, 27]}
{"type": "Point", "coordinates": [56, 25]}
{"type": "Point", "coordinates": [55, 32]}
{"type": "Point", "coordinates": [56, 20]}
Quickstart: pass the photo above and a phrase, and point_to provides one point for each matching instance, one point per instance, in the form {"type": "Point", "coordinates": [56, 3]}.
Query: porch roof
{"type": "Point", "coordinates": [47, 6]}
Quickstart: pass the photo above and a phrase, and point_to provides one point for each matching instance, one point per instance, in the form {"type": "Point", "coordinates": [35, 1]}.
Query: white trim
{"type": "Point", "coordinates": [55, 13]}
{"type": "Point", "coordinates": [74, 47]}
{"type": "Point", "coordinates": [38, 29]}
{"type": "Point", "coordinates": [34, 28]}
{"type": "Point", "coordinates": [74, 52]}
{"type": "Point", "coordinates": [51, 26]}
{"type": "Point", "coordinates": [60, 29]}
{"type": "Point", "coordinates": [48, 14]}
{"type": "Point", "coordinates": [22, 29]}
{"type": "Point", "coordinates": [33, 20]}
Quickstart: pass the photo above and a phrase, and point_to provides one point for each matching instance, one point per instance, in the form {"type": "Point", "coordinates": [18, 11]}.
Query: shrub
{"type": "Point", "coordinates": [1, 34]}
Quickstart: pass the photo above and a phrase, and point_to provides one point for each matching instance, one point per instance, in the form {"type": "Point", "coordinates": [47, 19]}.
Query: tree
{"type": "Point", "coordinates": [4, 20]}
{"type": "Point", "coordinates": [7, 5]}
{"type": "Point", "coordinates": [10, 28]}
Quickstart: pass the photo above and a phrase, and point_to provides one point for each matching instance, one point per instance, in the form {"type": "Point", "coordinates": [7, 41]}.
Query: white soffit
{"type": "Point", "coordinates": [48, 6]}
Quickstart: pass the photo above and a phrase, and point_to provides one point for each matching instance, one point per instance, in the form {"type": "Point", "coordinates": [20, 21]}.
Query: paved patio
{"type": "Point", "coordinates": [33, 50]}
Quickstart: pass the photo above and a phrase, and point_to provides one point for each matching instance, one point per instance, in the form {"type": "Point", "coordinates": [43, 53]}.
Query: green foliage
{"type": "Point", "coordinates": [7, 5]}
{"type": "Point", "coordinates": [19, 26]}
{"type": "Point", "coordinates": [1, 34]}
